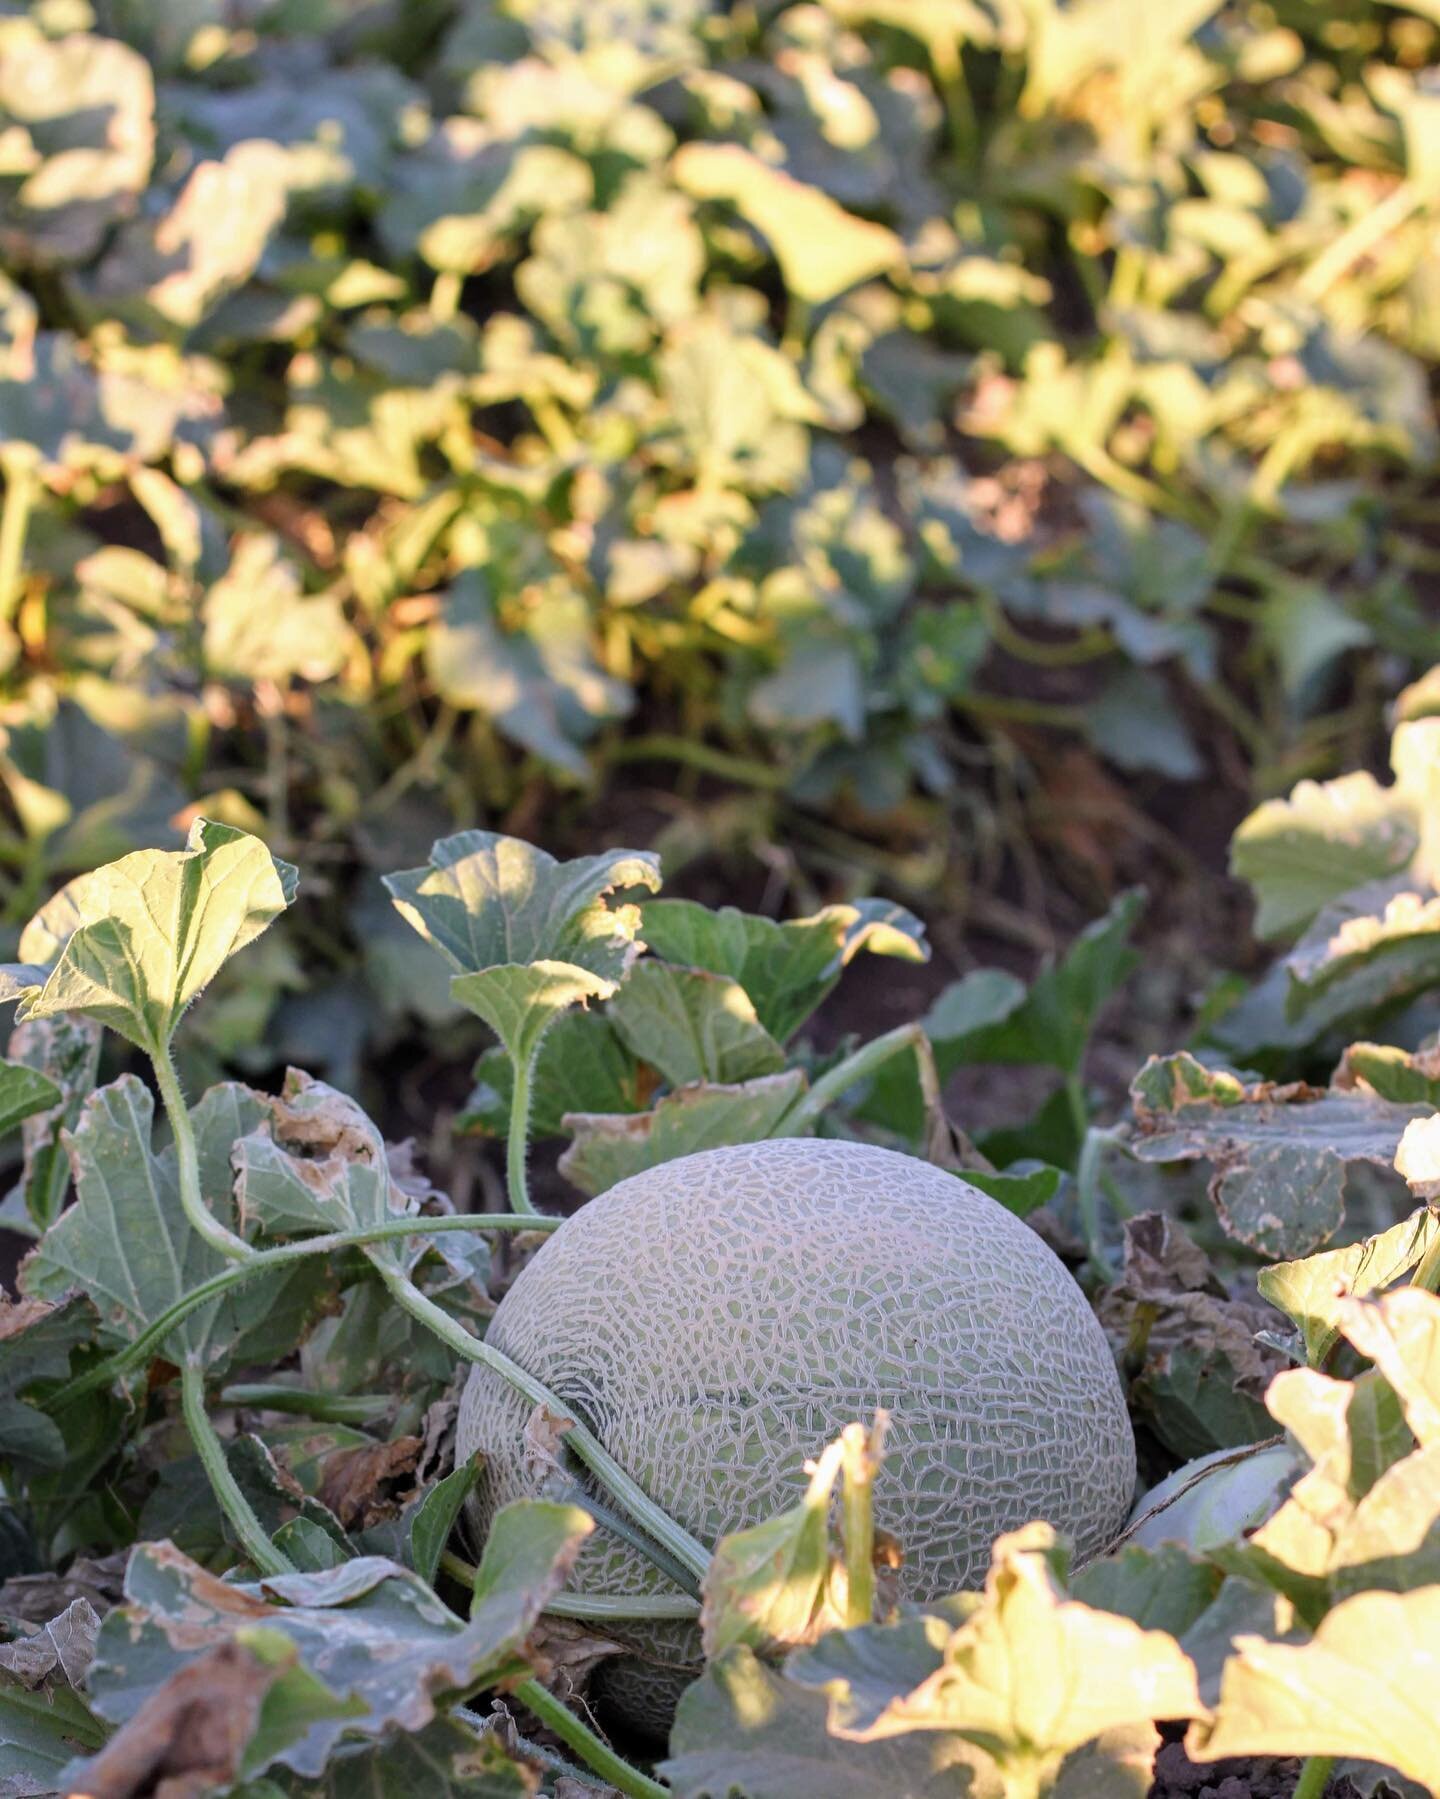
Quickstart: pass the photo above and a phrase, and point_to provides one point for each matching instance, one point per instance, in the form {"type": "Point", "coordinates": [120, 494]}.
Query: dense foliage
{"type": "Point", "coordinates": [412, 412]}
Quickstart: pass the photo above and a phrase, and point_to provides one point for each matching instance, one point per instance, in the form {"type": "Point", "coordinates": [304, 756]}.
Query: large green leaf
{"type": "Point", "coordinates": [1355, 1689]}
{"type": "Point", "coordinates": [1102, 1672]}
{"type": "Point", "coordinates": [529, 936]}
{"type": "Point", "coordinates": [65, 1052]}
{"type": "Point", "coordinates": [368, 1630]}
{"type": "Point", "coordinates": [36, 1339]}
{"type": "Point", "coordinates": [691, 1026]}
{"type": "Point", "coordinates": [786, 969]}
{"type": "Point", "coordinates": [126, 1242]}
{"type": "Point", "coordinates": [448, 1759]}
{"type": "Point", "coordinates": [41, 1732]}
{"type": "Point", "coordinates": [1313, 1292]}
{"type": "Point", "coordinates": [135, 942]}
{"type": "Point", "coordinates": [1280, 1154]}
{"type": "Point", "coordinates": [743, 1726]}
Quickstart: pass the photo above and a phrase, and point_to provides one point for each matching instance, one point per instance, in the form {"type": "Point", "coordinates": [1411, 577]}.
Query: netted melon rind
{"type": "Point", "coordinates": [718, 1319]}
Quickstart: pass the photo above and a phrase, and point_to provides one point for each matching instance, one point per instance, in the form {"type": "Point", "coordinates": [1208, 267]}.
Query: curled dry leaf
{"type": "Point", "coordinates": [189, 1737]}
{"type": "Point", "coordinates": [65, 1645]}
{"type": "Point", "coordinates": [356, 1483]}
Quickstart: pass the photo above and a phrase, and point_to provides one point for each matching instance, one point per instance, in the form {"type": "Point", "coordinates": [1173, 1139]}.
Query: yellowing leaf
{"type": "Point", "coordinates": [1028, 1676]}
{"type": "Point", "coordinates": [1364, 1686]}
{"type": "Point", "coordinates": [822, 249]}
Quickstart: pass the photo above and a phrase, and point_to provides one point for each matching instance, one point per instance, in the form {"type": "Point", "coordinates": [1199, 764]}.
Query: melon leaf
{"type": "Point", "coordinates": [1351, 1690]}
{"type": "Point", "coordinates": [693, 1026]}
{"type": "Point", "coordinates": [24, 1091]}
{"type": "Point", "coordinates": [528, 936]}
{"type": "Point", "coordinates": [767, 1586]}
{"type": "Point", "coordinates": [127, 1242]}
{"type": "Point", "coordinates": [744, 1726]}
{"type": "Point", "coordinates": [822, 249]}
{"type": "Point", "coordinates": [1106, 1673]}
{"type": "Point", "coordinates": [1280, 1154]}
{"type": "Point", "coordinates": [64, 1050]}
{"type": "Point", "coordinates": [446, 1760]}
{"type": "Point", "coordinates": [36, 1340]}
{"type": "Point", "coordinates": [175, 1611]}
{"type": "Point", "coordinates": [1311, 1292]}
{"type": "Point", "coordinates": [133, 943]}
{"type": "Point", "coordinates": [608, 1147]}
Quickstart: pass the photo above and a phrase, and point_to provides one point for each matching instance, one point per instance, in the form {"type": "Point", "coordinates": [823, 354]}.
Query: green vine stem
{"type": "Point", "coordinates": [329, 1408]}
{"type": "Point", "coordinates": [236, 1507]}
{"type": "Point", "coordinates": [868, 1060]}
{"type": "Point", "coordinates": [1314, 1777]}
{"type": "Point", "coordinates": [593, 1750]}
{"type": "Point", "coordinates": [596, 1608]}
{"type": "Point", "coordinates": [22, 487]}
{"type": "Point", "coordinates": [518, 1140]}
{"type": "Point", "coordinates": [198, 1215]}
{"type": "Point", "coordinates": [691, 1555]}
{"type": "Point", "coordinates": [135, 1354]}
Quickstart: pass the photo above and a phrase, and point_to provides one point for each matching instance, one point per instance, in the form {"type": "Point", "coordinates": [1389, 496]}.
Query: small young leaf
{"type": "Point", "coordinates": [434, 1517]}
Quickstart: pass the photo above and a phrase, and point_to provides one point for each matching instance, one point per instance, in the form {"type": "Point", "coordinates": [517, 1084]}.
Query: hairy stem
{"type": "Point", "coordinates": [1314, 1777]}
{"type": "Point", "coordinates": [198, 1215]}
{"type": "Point", "coordinates": [868, 1060]}
{"type": "Point", "coordinates": [593, 1750]}
{"type": "Point", "coordinates": [22, 485]}
{"type": "Point", "coordinates": [136, 1354]}
{"type": "Point", "coordinates": [1427, 1269]}
{"type": "Point", "coordinates": [691, 1555]}
{"type": "Point", "coordinates": [236, 1507]}
{"type": "Point", "coordinates": [518, 1141]}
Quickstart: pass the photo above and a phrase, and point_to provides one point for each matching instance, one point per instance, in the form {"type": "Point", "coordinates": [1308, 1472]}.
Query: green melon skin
{"type": "Point", "coordinates": [719, 1319]}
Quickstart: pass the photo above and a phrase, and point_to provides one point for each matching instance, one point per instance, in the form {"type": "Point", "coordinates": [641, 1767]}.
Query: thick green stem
{"type": "Point", "coordinates": [236, 1507]}
{"type": "Point", "coordinates": [330, 1408]}
{"type": "Point", "coordinates": [1314, 1777]}
{"type": "Point", "coordinates": [691, 1555]}
{"type": "Point", "coordinates": [868, 1060]}
{"type": "Point", "coordinates": [518, 1141]}
{"type": "Point", "coordinates": [199, 1216]}
{"type": "Point", "coordinates": [136, 1354]}
{"type": "Point", "coordinates": [593, 1750]}
{"type": "Point", "coordinates": [22, 486]}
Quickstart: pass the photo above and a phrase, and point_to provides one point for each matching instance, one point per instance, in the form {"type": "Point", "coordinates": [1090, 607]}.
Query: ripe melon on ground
{"type": "Point", "coordinates": [718, 1319]}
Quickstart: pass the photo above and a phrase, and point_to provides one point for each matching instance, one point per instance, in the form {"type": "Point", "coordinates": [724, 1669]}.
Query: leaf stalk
{"type": "Point", "coordinates": [236, 1507]}
{"type": "Point", "coordinates": [590, 1747]}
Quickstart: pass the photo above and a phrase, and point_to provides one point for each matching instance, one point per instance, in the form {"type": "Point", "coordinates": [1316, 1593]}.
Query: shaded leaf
{"type": "Point", "coordinates": [693, 1026]}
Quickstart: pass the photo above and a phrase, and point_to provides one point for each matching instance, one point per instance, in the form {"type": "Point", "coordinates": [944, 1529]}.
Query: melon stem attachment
{"type": "Point", "coordinates": [691, 1555]}
{"type": "Point", "coordinates": [187, 1165]}
{"type": "Point", "coordinates": [593, 1750]}
{"type": "Point", "coordinates": [211, 1451]}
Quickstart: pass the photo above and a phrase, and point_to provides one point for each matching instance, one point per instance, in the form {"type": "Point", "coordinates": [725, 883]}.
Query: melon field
{"type": "Point", "coordinates": [720, 899]}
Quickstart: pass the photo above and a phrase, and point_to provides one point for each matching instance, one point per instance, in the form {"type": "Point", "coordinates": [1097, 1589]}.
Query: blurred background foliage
{"type": "Point", "coordinates": [952, 446]}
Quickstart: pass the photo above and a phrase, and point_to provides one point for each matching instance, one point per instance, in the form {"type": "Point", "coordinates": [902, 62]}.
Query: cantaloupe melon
{"type": "Point", "coordinates": [718, 1319]}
